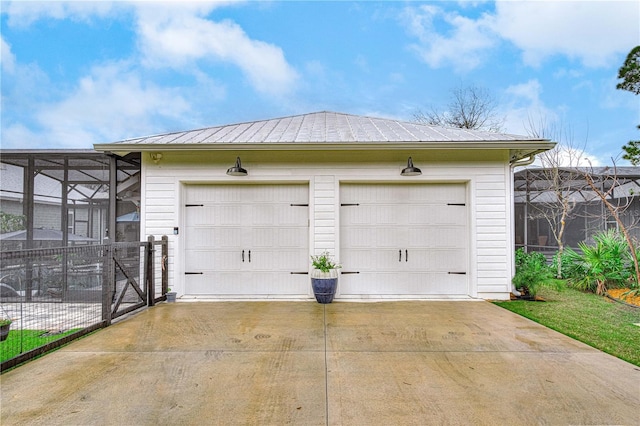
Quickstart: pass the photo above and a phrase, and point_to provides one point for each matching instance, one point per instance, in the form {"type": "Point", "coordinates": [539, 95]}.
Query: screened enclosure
{"type": "Point", "coordinates": [542, 195]}
{"type": "Point", "coordinates": [71, 259]}
{"type": "Point", "coordinates": [67, 198]}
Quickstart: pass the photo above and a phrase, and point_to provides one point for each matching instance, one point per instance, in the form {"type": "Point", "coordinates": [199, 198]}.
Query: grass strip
{"type": "Point", "coordinates": [591, 319]}
{"type": "Point", "coordinates": [20, 341]}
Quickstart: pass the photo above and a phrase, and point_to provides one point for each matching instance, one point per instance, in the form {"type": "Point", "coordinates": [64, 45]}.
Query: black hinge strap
{"type": "Point", "coordinates": [194, 205]}
{"type": "Point", "coordinates": [299, 205]}
{"type": "Point", "coordinates": [456, 204]}
{"type": "Point", "coordinates": [349, 204]}
{"type": "Point", "coordinates": [457, 273]}
{"type": "Point", "coordinates": [299, 273]}
{"type": "Point", "coordinates": [194, 273]}
{"type": "Point", "coordinates": [349, 272]}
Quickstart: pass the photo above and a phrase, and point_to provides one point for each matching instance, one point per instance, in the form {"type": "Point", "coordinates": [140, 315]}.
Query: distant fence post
{"type": "Point", "coordinates": [165, 264]}
{"type": "Point", "coordinates": [149, 275]}
{"type": "Point", "coordinates": [108, 282]}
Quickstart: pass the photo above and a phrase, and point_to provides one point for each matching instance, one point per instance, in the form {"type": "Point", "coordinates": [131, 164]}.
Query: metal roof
{"type": "Point", "coordinates": [619, 172]}
{"type": "Point", "coordinates": [539, 185]}
{"type": "Point", "coordinates": [317, 128]}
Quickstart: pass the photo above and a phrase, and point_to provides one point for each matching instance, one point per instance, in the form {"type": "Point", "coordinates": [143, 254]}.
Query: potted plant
{"type": "Point", "coordinates": [5, 325]}
{"type": "Point", "coordinates": [171, 295]}
{"type": "Point", "coordinates": [324, 277]}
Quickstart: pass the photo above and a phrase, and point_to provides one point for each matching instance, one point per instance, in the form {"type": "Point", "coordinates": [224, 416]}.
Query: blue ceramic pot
{"type": "Point", "coordinates": [324, 289]}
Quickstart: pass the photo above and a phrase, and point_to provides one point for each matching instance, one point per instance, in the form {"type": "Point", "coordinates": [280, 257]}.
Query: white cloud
{"type": "Point", "coordinates": [112, 103]}
{"type": "Point", "coordinates": [24, 13]}
{"type": "Point", "coordinates": [116, 100]}
{"type": "Point", "coordinates": [7, 58]}
{"type": "Point", "coordinates": [593, 32]}
{"type": "Point", "coordinates": [523, 107]}
{"type": "Point", "coordinates": [464, 45]}
{"type": "Point", "coordinates": [527, 114]}
{"type": "Point", "coordinates": [180, 36]}
{"type": "Point", "coordinates": [177, 35]}
{"type": "Point", "coordinates": [565, 156]}
{"type": "Point", "coordinates": [18, 136]}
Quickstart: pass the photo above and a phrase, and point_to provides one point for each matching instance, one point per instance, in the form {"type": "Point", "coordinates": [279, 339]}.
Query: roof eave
{"type": "Point", "coordinates": [519, 149]}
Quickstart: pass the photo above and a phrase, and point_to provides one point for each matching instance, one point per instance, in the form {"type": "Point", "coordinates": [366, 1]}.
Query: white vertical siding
{"type": "Point", "coordinates": [324, 217]}
{"type": "Point", "coordinates": [492, 218]}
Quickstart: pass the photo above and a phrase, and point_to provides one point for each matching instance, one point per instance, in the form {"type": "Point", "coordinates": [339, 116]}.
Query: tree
{"type": "Point", "coordinates": [629, 72]}
{"type": "Point", "coordinates": [632, 152]}
{"type": "Point", "coordinates": [556, 181]}
{"type": "Point", "coordinates": [469, 108]}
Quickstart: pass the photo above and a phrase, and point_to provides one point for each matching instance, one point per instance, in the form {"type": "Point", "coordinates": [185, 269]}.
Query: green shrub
{"type": "Point", "coordinates": [11, 222]}
{"type": "Point", "coordinates": [533, 272]}
{"type": "Point", "coordinates": [570, 268]}
{"type": "Point", "coordinates": [606, 264]}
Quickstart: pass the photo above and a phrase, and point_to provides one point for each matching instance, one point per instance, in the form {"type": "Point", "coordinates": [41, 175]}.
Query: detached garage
{"type": "Point", "coordinates": [410, 211]}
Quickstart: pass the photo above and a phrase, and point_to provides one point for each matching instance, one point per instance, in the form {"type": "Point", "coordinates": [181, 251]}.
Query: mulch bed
{"type": "Point", "coordinates": [618, 294]}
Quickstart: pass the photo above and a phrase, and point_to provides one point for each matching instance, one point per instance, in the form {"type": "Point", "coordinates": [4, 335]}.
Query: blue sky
{"type": "Point", "coordinates": [78, 73]}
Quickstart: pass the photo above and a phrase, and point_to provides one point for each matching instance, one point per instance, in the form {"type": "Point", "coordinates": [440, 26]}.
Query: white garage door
{"type": "Point", "coordinates": [246, 240]}
{"type": "Point", "coordinates": [404, 240]}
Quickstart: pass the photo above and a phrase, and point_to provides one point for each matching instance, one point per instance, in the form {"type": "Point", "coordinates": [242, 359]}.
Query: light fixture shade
{"type": "Point", "coordinates": [237, 170]}
{"type": "Point", "coordinates": [410, 170]}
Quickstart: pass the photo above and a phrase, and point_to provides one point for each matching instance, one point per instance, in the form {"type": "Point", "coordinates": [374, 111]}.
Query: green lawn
{"type": "Point", "coordinates": [31, 339]}
{"type": "Point", "coordinates": [594, 320]}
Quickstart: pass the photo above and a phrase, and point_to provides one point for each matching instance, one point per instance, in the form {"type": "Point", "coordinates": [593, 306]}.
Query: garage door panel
{"type": "Point", "coordinates": [404, 239]}
{"type": "Point", "coordinates": [292, 237]}
{"type": "Point", "coordinates": [212, 260]}
{"type": "Point", "coordinates": [360, 237]}
{"type": "Point", "coordinates": [367, 283]}
{"type": "Point", "coordinates": [204, 237]}
{"type": "Point", "coordinates": [241, 284]}
{"type": "Point", "coordinates": [438, 284]}
{"type": "Point", "coordinates": [263, 214]}
{"type": "Point", "coordinates": [441, 237]}
{"type": "Point", "coordinates": [264, 260]}
{"type": "Point", "coordinates": [388, 237]}
{"type": "Point", "coordinates": [438, 215]}
{"type": "Point", "coordinates": [403, 283]}
{"type": "Point", "coordinates": [437, 260]}
{"type": "Point", "coordinates": [293, 216]}
{"type": "Point", "coordinates": [358, 215]}
{"type": "Point", "coordinates": [244, 240]}
{"type": "Point", "coordinates": [437, 193]}
{"type": "Point", "coordinates": [365, 260]}
{"type": "Point", "coordinates": [389, 215]}
{"type": "Point", "coordinates": [208, 215]}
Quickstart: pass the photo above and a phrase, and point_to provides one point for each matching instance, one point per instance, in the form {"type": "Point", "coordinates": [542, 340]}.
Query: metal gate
{"type": "Point", "coordinates": [52, 296]}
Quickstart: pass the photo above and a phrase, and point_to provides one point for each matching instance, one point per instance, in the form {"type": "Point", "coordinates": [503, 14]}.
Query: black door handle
{"type": "Point", "coordinates": [399, 255]}
{"type": "Point", "coordinates": [406, 255]}
{"type": "Point", "coordinates": [243, 255]}
{"type": "Point", "coordinates": [249, 256]}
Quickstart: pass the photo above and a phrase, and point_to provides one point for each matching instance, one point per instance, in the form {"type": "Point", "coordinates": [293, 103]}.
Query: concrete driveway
{"type": "Point", "coordinates": [275, 363]}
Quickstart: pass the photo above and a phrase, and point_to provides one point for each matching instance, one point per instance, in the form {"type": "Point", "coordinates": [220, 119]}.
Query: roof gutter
{"type": "Point", "coordinates": [519, 163]}
{"type": "Point", "coordinates": [525, 161]}
{"type": "Point", "coordinates": [524, 146]}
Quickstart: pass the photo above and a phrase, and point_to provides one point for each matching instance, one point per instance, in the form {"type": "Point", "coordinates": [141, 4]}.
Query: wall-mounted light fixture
{"type": "Point", "coordinates": [155, 156]}
{"type": "Point", "coordinates": [237, 170]}
{"type": "Point", "coordinates": [410, 170]}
